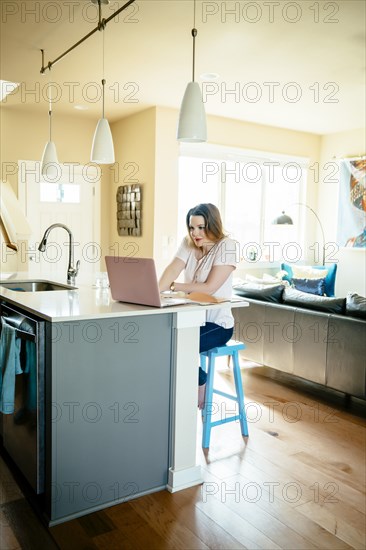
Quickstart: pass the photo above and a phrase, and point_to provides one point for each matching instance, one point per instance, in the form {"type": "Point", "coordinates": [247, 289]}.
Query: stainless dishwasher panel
{"type": "Point", "coordinates": [24, 430]}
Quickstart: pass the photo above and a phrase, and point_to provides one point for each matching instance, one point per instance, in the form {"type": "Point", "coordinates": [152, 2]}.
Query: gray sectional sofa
{"type": "Point", "coordinates": [317, 338]}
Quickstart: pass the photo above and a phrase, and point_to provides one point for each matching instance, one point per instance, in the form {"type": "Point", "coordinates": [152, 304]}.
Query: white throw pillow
{"type": "Point", "coordinates": [265, 280]}
{"type": "Point", "coordinates": [308, 272]}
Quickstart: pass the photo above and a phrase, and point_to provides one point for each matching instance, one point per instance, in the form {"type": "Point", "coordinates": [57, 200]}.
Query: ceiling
{"type": "Point", "coordinates": [297, 65]}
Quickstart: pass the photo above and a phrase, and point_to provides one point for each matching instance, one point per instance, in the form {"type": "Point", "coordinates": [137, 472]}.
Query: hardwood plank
{"type": "Point", "coordinates": [7, 536]}
{"type": "Point", "coordinates": [281, 384]}
{"type": "Point", "coordinates": [71, 536]}
{"type": "Point", "coordinates": [339, 470]}
{"type": "Point", "coordinates": [352, 535]}
{"type": "Point", "coordinates": [26, 527]}
{"type": "Point", "coordinates": [166, 524]}
{"type": "Point", "coordinates": [96, 524]}
{"type": "Point", "coordinates": [272, 502]}
{"type": "Point", "coordinates": [181, 505]}
{"type": "Point", "coordinates": [267, 471]}
{"type": "Point", "coordinates": [298, 472]}
{"type": "Point", "coordinates": [238, 527]}
{"type": "Point", "coordinates": [115, 540]}
{"type": "Point", "coordinates": [318, 537]}
{"type": "Point", "coordinates": [135, 528]}
{"type": "Point", "coordinates": [9, 490]}
{"type": "Point", "coordinates": [241, 496]}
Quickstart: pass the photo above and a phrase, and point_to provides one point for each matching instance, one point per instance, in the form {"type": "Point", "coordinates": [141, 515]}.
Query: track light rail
{"type": "Point", "coordinates": [102, 23]}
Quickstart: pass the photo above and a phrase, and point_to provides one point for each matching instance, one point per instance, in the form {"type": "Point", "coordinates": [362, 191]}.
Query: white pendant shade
{"type": "Point", "coordinates": [49, 162]}
{"type": "Point", "coordinates": [192, 116]}
{"type": "Point", "coordinates": [102, 148]}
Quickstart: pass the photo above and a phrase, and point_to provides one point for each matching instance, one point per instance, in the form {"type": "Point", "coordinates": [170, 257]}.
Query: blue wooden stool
{"type": "Point", "coordinates": [231, 349]}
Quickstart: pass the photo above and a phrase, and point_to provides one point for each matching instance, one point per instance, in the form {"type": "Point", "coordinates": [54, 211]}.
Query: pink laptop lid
{"type": "Point", "coordinates": [133, 280]}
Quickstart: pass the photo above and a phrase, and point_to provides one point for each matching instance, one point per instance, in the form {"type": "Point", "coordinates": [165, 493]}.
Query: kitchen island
{"type": "Point", "coordinates": [120, 397]}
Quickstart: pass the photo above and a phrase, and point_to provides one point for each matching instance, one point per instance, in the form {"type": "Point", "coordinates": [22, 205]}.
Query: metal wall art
{"type": "Point", "coordinates": [129, 210]}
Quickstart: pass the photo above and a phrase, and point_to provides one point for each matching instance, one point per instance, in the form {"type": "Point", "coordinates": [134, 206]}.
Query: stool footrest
{"type": "Point", "coordinates": [225, 420]}
{"type": "Point", "coordinates": [224, 394]}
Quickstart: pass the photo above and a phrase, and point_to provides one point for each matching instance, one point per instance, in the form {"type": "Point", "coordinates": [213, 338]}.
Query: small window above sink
{"type": "Point", "coordinates": [35, 286]}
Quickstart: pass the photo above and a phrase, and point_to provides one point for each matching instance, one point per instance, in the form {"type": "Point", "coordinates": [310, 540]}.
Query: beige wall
{"type": "Point", "coordinates": [134, 145]}
{"type": "Point", "coordinates": [24, 135]}
{"type": "Point", "coordinates": [262, 138]}
{"type": "Point", "coordinates": [166, 187]}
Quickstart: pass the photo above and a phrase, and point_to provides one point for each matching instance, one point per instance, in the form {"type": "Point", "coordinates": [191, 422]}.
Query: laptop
{"type": "Point", "coordinates": [134, 280]}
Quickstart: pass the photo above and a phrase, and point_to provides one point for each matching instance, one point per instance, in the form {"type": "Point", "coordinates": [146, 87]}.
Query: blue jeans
{"type": "Point", "coordinates": [212, 336]}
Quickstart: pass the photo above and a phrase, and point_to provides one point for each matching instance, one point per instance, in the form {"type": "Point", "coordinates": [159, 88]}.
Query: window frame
{"type": "Point", "coordinates": [223, 154]}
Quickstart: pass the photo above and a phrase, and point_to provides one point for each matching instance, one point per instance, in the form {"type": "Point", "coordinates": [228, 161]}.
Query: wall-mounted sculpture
{"type": "Point", "coordinates": [129, 210]}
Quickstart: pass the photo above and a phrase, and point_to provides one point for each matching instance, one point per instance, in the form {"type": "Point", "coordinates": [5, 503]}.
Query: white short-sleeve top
{"type": "Point", "coordinates": [224, 252]}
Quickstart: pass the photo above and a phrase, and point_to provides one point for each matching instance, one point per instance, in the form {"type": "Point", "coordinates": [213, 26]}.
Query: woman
{"type": "Point", "coordinates": [208, 258]}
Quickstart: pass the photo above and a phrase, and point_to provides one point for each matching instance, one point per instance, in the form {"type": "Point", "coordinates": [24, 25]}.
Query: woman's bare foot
{"type": "Point", "coordinates": [201, 396]}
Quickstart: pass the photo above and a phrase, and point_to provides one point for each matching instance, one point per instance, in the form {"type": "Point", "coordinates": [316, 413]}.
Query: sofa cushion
{"type": "Point", "coordinates": [265, 293]}
{"type": "Point", "coordinates": [329, 278]}
{"type": "Point", "coordinates": [311, 286]}
{"type": "Point", "coordinates": [355, 305]}
{"type": "Point", "coordinates": [325, 304]}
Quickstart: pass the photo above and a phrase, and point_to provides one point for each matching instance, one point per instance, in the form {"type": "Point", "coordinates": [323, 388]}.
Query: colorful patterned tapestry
{"type": "Point", "coordinates": [352, 204]}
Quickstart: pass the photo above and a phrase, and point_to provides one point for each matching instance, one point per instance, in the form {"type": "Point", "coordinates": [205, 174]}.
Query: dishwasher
{"type": "Point", "coordinates": [24, 429]}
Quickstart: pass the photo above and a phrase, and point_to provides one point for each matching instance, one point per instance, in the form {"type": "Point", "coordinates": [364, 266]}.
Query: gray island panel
{"type": "Point", "coordinates": [110, 411]}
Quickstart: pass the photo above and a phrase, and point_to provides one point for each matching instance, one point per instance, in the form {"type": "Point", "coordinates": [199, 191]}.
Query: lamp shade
{"type": "Point", "coordinates": [102, 148]}
{"type": "Point", "coordinates": [284, 219]}
{"type": "Point", "coordinates": [192, 116]}
{"type": "Point", "coordinates": [49, 162]}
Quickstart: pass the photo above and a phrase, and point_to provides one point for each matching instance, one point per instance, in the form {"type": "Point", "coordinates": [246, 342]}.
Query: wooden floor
{"type": "Point", "coordinates": [297, 482]}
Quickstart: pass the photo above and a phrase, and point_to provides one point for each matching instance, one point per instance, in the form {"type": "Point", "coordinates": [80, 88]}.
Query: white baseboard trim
{"type": "Point", "coordinates": [182, 479]}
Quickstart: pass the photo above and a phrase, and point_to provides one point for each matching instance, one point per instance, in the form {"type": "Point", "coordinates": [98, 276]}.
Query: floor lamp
{"type": "Point", "coordinates": [284, 219]}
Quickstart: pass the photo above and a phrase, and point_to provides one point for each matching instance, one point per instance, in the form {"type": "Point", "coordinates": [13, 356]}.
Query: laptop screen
{"type": "Point", "coordinates": [133, 280]}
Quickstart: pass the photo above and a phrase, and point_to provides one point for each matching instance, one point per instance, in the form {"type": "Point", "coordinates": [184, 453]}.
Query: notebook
{"type": "Point", "coordinates": [134, 280]}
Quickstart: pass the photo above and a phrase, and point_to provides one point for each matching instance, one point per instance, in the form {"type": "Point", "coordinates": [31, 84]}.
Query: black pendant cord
{"type": "Point", "coordinates": [50, 111]}
{"type": "Point", "coordinates": [103, 71]}
{"type": "Point", "coordinates": [103, 84]}
{"type": "Point", "coordinates": [194, 34]}
{"type": "Point", "coordinates": [50, 124]}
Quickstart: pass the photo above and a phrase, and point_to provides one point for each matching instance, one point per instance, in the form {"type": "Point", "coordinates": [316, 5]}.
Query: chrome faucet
{"type": "Point", "coordinates": [71, 270]}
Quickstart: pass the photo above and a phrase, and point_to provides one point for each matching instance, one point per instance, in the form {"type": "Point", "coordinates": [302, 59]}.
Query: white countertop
{"type": "Point", "coordinates": [85, 302]}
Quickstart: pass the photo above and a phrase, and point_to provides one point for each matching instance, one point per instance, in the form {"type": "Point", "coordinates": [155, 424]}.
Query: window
{"type": "Point", "coordinates": [250, 191]}
{"type": "Point", "coordinates": [59, 192]}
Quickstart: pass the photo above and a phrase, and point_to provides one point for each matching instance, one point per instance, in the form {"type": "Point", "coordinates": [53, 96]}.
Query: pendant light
{"type": "Point", "coordinates": [49, 163]}
{"type": "Point", "coordinates": [102, 148]}
{"type": "Point", "coordinates": [192, 116]}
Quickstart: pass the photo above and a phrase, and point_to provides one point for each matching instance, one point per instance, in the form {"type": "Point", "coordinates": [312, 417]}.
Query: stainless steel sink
{"type": "Point", "coordinates": [35, 286]}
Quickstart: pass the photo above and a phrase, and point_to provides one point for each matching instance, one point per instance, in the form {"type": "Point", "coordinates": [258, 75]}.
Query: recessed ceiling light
{"type": "Point", "coordinates": [81, 107]}
{"type": "Point", "coordinates": [209, 76]}
{"type": "Point", "coordinates": [7, 88]}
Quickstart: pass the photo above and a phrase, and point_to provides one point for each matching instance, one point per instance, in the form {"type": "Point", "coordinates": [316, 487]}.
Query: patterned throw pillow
{"type": "Point", "coordinates": [312, 286]}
